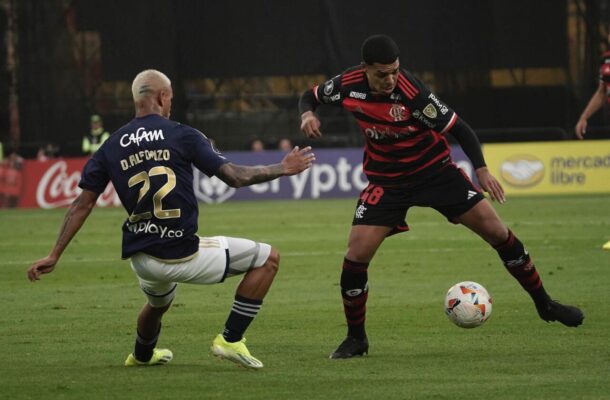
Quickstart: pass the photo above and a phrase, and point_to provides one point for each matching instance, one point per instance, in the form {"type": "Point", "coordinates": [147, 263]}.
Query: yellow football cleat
{"type": "Point", "coordinates": [159, 357]}
{"type": "Point", "coordinates": [606, 246]}
{"type": "Point", "coordinates": [236, 352]}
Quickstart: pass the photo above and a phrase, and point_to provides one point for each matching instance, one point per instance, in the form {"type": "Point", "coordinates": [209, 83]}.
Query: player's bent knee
{"type": "Point", "coordinates": [160, 300]}
{"type": "Point", "coordinates": [359, 254]}
{"type": "Point", "coordinates": [273, 261]}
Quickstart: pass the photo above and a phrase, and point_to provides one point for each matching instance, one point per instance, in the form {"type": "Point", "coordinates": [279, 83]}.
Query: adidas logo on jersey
{"type": "Point", "coordinates": [471, 194]}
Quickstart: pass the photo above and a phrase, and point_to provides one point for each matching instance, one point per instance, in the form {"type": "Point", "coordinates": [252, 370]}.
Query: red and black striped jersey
{"type": "Point", "coordinates": [604, 72]}
{"type": "Point", "coordinates": [404, 130]}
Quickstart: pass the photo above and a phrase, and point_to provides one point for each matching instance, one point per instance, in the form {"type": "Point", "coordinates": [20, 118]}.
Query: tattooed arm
{"type": "Point", "coordinates": [293, 163]}
{"type": "Point", "coordinates": [241, 175]}
{"type": "Point", "coordinates": [75, 218]}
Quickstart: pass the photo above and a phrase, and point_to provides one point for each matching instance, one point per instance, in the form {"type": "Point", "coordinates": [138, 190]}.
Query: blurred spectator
{"type": "Point", "coordinates": [10, 179]}
{"type": "Point", "coordinates": [96, 137]}
{"type": "Point", "coordinates": [285, 145]}
{"type": "Point", "coordinates": [599, 99]}
{"type": "Point", "coordinates": [47, 152]}
{"type": "Point", "coordinates": [257, 145]}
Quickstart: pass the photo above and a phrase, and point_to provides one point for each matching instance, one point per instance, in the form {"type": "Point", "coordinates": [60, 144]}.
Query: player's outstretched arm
{"type": "Point", "coordinates": [595, 103]}
{"type": "Point", "coordinates": [310, 125]}
{"type": "Point", "coordinates": [470, 144]}
{"type": "Point", "coordinates": [298, 160]}
{"type": "Point", "coordinates": [75, 218]}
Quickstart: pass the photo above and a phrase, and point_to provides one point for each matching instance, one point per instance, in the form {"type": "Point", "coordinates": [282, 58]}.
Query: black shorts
{"type": "Point", "coordinates": [449, 192]}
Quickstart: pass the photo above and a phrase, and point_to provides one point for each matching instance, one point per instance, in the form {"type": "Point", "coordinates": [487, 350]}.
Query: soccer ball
{"type": "Point", "coordinates": [468, 304]}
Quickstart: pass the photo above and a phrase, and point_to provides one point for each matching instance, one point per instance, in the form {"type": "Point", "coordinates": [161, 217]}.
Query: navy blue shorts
{"type": "Point", "coordinates": [450, 192]}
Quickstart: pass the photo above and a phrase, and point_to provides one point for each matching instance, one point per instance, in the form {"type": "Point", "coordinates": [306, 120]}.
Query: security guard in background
{"type": "Point", "coordinates": [96, 137]}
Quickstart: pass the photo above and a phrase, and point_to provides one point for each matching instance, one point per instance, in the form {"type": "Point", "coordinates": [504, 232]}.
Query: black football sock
{"type": "Point", "coordinates": [354, 291]}
{"type": "Point", "coordinates": [519, 264]}
{"type": "Point", "coordinates": [242, 313]}
{"type": "Point", "coordinates": [144, 347]}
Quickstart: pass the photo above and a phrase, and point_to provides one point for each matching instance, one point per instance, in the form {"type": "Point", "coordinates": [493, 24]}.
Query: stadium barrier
{"type": "Point", "coordinates": [336, 173]}
{"type": "Point", "coordinates": [532, 168]}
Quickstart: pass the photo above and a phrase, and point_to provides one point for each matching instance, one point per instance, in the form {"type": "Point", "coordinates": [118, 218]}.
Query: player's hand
{"type": "Point", "coordinates": [40, 267]}
{"type": "Point", "coordinates": [491, 185]}
{"type": "Point", "coordinates": [310, 125]}
{"type": "Point", "coordinates": [298, 160]}
{"type": "Point", "coordinates": [581, 128]}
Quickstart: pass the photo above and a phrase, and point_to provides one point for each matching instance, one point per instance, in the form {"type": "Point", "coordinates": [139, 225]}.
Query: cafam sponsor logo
{"type": "Point", "coordinates": [141, 135]}
{"type": "Point", "coordinates": [522, 170]}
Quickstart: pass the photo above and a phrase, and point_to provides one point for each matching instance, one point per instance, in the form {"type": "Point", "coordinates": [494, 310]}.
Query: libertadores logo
{"type": "Point", "coordinates": [522, 170]}
{"type": "Point", "coordinates": [211, 189]}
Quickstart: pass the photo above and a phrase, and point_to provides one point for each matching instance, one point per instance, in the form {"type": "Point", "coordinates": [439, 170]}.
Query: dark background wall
{"type": "Point", "coordinates": [259, 38]}
{"type": "Point", "coordinates": [4, 78]}
{"type": "Point", "coordinates": [458, 42]}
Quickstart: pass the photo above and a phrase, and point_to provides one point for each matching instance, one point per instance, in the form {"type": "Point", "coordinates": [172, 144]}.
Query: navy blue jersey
{"type": "Point", "coordinates": [404, 131]}
{"type": "Point", "coordinates": [149, 162]}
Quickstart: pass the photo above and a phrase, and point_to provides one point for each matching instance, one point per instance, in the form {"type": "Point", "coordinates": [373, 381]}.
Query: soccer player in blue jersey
{"type": "Point", "coordinates": [150, 163]}
{"type": "Point", "coordinates": [407, 162]}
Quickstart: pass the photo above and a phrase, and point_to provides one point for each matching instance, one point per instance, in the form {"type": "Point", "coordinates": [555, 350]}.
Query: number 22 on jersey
{"type": "Point", "coordinates": [158, 211]}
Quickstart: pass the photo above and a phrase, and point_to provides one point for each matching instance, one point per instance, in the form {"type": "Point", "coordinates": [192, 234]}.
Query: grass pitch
{"type": "Point", "coordinates": [66, 336]}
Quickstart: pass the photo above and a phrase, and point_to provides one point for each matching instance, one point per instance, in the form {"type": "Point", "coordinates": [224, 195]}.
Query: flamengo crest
{"type": "Point", "coordinates": [398, 112]}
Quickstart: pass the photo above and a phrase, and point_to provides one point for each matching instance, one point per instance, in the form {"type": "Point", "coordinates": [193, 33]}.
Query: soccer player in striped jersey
{"type": "Point", "coordinates": [150, 163]}
{"type": "Point", "coordinates": [599, 99]}
{"type": "Point", "coordinates": [407, 162]}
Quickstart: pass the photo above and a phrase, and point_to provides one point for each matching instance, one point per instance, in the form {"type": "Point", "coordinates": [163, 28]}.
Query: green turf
{"type": "Point", "coordinates": [66, 337]}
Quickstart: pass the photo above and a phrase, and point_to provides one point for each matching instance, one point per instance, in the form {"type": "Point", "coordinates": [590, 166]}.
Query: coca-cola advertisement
{"type": "Point", "coordinates": [54, 183]}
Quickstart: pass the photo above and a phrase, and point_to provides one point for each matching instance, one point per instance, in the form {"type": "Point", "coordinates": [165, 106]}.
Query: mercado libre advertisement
{"type": "Point", "coordinates": [335, 173]}
{"type": "Point", "coordinates": [569, 167]}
